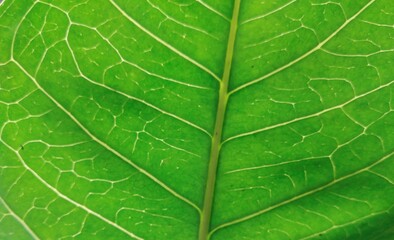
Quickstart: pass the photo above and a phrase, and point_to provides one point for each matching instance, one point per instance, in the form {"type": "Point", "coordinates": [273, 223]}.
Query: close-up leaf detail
{"type": "Point", "coordinates": [197, 119]}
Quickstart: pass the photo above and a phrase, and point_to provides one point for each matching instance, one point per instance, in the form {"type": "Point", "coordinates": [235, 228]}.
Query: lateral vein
{"type": "Point", "coordinates": [295, 61]}
{"type": "Point", "coordinates": [163, 42]}
{"type": "Point", "coordinates": [19, 219]}
{"type": "Point", "coordinates": [66, 198]}
{"type": "Point", "coordinates": [103, 144]}
{"type": "Point", "coordinates": [258, 213]}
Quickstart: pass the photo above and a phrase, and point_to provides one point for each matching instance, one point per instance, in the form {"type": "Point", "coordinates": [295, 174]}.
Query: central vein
{"type": "Point", "coordinates": [217, 136]}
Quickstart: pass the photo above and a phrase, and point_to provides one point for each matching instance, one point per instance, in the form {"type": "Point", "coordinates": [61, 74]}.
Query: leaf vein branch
{"type": "Point", "coordinates": [164, 43]}
{"type": "Point", "coordinates": [308, 116]}
{"type": "Point", "coordinates": [18, 219]}
{"type": "Point", "coordinates": [305, 55]}
{"type": "Point", "coordinates": [66, 198]}
{"type": "Point", "coordinates": [319, 189]}
{"type": "Point", "coordinates": [134, 98]}
{"type": "Point", "coordinates": [106, 146]}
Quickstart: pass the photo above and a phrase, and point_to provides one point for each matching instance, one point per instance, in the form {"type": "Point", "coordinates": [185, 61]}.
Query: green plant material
{"type": "Point", "coordinates": [196, 119]}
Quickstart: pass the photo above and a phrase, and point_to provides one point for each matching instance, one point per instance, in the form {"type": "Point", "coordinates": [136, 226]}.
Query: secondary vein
{"type": "Point", "coordinates": [217, 136]}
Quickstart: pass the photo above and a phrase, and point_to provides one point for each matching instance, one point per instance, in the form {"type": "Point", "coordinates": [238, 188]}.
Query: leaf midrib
{"type": "Point", "coordinates": [217, 135]}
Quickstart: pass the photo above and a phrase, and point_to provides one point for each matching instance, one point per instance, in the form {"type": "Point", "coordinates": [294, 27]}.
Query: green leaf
{"type": "Point", "coordinates": [196, 119]}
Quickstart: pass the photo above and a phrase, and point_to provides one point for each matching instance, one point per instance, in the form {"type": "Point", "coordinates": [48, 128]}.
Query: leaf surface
{"type": "Point", "coordinates": [196, 119]}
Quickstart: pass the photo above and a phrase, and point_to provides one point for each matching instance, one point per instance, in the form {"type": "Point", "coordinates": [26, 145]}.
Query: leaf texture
{"type": "Point", "coordinates": [196, 119]}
